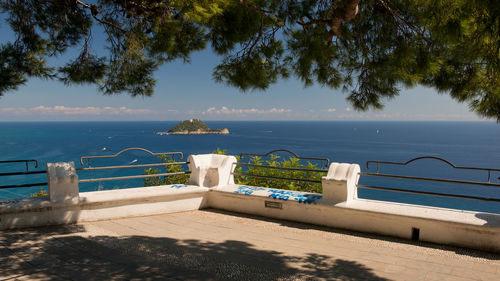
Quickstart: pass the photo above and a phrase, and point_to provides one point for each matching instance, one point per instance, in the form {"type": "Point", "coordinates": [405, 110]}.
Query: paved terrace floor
{"type": "Point", "coordinates": [216, 245]}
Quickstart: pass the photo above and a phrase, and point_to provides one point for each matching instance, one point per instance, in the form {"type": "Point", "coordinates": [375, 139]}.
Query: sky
{"type": "Point", "coordinates": [187, 90]}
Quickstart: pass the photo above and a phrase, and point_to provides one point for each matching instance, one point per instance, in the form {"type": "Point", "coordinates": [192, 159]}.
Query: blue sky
{"type": "Point", "coordinates": [185, 91]}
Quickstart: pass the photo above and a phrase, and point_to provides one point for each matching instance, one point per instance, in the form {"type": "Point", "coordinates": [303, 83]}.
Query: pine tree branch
{"type": "Point", "coordinates": [396, 14]}
{"type": "Point", "coordinates": [95, 11]}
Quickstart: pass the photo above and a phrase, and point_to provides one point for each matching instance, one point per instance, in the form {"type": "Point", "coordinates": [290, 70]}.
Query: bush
{"type": "Point", "coordinates": [175, 179]}
{"type": "Point", "coordinates": [274, 161]}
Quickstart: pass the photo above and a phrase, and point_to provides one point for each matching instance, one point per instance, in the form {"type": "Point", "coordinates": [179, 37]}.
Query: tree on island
{"type": "Point", "coordinates": [193, 127]}
{"type": "Point", "coordinates": [370, 49]}
{"type": "Point", "coordinates": [189, 125]}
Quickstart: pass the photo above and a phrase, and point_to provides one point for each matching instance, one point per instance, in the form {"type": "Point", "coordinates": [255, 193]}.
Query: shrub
{"type": "Point", "coordinates": [164, 180]}
{"type": "Point", "coordinates": [274, 161]}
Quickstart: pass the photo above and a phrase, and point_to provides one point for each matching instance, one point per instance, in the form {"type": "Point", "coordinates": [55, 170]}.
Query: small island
{"type": "Point", "coordinates": [193, 127]}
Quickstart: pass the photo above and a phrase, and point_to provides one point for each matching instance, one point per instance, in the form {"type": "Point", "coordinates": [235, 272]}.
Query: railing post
{"type": "Point", "coordinates": [62, 181]}
{"type": "Point", "coordinates": [211, 170]}
{"type": "Point", "coordinates": [339, 185]}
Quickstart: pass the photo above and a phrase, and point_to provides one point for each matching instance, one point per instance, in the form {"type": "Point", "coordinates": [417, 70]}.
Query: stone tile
{"type": "Point", "coordinates": [465, 272]}
{"type": "Point", "coordinates": [206, 245]}
{"type": "Point", "coordinates": [451, 260]}
{"type": "Point", "coordinates": [487, 267]}
{"type": "Point", "coordinates": [411, 255]}
{"type": "Point", "coordinates": [436, 276]}
{"type": "Point", "coordinates": [488, 276]}
{"type": "Point", "coordinates": [411, 275]}
{"type": "Point", "coordinates": [427, 266]}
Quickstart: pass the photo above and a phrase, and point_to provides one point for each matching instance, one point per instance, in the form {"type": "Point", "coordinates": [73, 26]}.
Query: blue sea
{"type": "Point", "coordinates": [474, 144]}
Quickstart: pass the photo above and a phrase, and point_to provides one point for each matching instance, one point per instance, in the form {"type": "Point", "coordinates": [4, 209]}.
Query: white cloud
{"type": "Point", "coordinates": [65, 110]}
{"type": "Point", "coordinates": [243, 111]}
{"type": "Point", "coordinates": [331, 109]}
{"type": "Point", "coordinates": [405, 116]}
{"type": "Point", "coordinates": [347, 109]}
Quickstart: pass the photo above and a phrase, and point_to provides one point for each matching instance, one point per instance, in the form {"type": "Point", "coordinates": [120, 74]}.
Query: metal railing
{"type": "Point", "coordinates": [323, 161]}
{"type": "Point", "coordinates": [476, 183]}
{"type": "Point", "coordinates": [26, 172]}
{"type": "Point", "coordinates": [89, 168]}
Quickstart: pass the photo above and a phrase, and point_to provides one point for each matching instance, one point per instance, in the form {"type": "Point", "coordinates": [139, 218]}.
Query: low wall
{"type": "Point", "coordinates": [437, 225]}
{"type": "Point", "coordinates": [338, 206]}
{"type": "Point", "coordinates": [101, 205]}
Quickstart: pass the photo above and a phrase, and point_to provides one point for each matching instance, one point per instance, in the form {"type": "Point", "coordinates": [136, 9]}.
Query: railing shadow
{"type": "Point", "coordinates": [48, 253]}
{"type": "Point", "coordinates": [491, 219]}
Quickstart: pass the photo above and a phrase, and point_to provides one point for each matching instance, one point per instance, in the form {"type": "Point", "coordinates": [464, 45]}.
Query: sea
{"type": "Point", "coordinates": [463, 144]}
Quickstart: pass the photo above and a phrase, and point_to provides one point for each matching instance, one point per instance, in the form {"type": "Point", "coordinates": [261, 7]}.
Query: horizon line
{"type": "Point", "coordinates": [211, 120]}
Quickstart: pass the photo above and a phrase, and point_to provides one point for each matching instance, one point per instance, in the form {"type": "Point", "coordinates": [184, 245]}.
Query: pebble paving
{"type": "Point", "coordinates": [217, 245]}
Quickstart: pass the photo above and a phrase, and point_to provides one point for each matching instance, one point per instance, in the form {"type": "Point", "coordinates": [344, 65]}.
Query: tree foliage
{"type": "Point", "coordinates": [190, 125]}
{"type": "Point", "coordinates": [370, 49]}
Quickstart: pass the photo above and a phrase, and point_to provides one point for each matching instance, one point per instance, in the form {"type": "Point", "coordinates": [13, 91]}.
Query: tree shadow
{"type": "Point", "coordinates": [492, 220]}
{"type": "Point", "coordinates": [49, 253]}
{"type": "Point", "coordinates": [326, 268]}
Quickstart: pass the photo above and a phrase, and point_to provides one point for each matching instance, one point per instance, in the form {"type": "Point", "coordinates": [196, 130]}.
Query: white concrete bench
{"type": "Point", "coordinates": [272, 193]}
{"type": "Point", "coordinates": [210, 170]}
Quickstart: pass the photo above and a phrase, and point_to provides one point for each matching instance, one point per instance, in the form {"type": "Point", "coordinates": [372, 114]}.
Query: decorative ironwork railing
{"type": "Point", "coordinates": [89, 168]}
{"type": "Point", "coordinates": [488, 183]}
{"type": "Point", "coordinates": [23, 173]}
{"type": "Point", "coordinates": [298, 177]}
{"type": "Point", "coordinates": [324, 162]}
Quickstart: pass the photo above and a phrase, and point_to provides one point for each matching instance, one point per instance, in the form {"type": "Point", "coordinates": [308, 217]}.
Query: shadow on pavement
{"type": "Point", "coordinates": [64, 252]}
{"type": "Point", "coordinates": [491, 220]}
